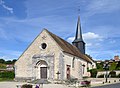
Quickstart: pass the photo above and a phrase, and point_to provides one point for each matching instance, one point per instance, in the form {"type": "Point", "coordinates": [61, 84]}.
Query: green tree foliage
{"type": "Point", "coordinates": [2, 61]}
{"type": "Point", "coordinates": [113, 66]}
{"type": "Point", "coordinates": [2, 66]}
{"type": "Point", "coordinates": [14, 60]}
{"type": "Point", "coordinates": [93, 72]}
{"type": "Point", "coordinates": [99, 66]}
{"type": "Point", "coordinates": [118, 66]}
{"type": "Point", "coordinates": [8, 61]}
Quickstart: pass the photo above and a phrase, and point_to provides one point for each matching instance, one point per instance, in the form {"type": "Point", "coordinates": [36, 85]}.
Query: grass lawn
{"type": "Point", "coordinates": [6, 79]}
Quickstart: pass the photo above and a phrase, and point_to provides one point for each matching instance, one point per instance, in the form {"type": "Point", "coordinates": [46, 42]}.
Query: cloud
{"type": "Point", "coordinates": [52, 8]}
{"type": "Point", "coordinates": [90, 35]}
{"type": "Point", "coordinates": [92, 39]}
{"type": "Point", "coordinates": [2, 3]}
{"type": "Point", "coordinates": [13, 25]}
{"type": "Point", "coordinates": [89, 38]}
{"type": "Point", "coordinates": [33, 26]}
{"type": "Point", "coordinates": [8, 8]}
{"type": "Point", "coordinates": [70, 39]}
{"type": "Point", "coordinates": [101, 55]}
{"type": "Point", "coordinates": [9, 54]}
{"type": "Point", "coordinates": [7, 58]}
{"type": "Point", "coordinates": [102, 6]}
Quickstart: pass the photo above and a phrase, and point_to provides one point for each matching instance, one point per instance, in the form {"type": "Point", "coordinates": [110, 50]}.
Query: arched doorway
{"type": "Point", "coordinates": [68, 72]}
{"type": "Point", "coordinates": [43, 67]}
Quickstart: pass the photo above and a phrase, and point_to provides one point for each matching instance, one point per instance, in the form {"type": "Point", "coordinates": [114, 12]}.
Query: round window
{"type": "Point", "coordinates": [43, 45]}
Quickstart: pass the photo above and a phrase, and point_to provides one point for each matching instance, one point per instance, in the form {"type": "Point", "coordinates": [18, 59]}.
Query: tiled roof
{"type": "Point", "coordinates": [68, 48]}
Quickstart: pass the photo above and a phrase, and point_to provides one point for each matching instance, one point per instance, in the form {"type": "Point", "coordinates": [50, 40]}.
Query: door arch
{"type": "Point", "coordinates": [43, 69]}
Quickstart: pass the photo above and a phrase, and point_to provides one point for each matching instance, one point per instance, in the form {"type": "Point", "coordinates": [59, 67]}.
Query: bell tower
{"type": "Point", "coordinates": [78, 42]}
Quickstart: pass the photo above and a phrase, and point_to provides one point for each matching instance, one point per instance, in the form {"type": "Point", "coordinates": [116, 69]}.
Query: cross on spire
{"type": "Point", "coordinates": [78, 11]}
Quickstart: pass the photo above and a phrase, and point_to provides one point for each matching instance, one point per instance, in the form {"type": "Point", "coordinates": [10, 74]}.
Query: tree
{"type": "Point", "coordinates": [99, 66]}
{"type": "Point", "coordinates": [93, 72]}
{"type": "Point", "coordinates": [8, 62]}
{"type": "Point", "coordinates": [14, 60]}
{"type": "Point", "coordinates": [2, 61]}
{"type": "Point", "coordinates": [113, 66]}
{"type": "Point", "coordinates": [118, 66]}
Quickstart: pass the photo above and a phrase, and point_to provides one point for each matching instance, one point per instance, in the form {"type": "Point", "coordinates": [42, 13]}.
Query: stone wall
{"type": "Point", "coordinates": [24, 65]}
{"type": "Point", "coordinates": [104, 72]}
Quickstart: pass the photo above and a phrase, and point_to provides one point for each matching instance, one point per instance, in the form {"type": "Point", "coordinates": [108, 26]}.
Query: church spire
{"type": "Point", "coordinates": [78, 42]}
{"type": "Point", "coordinates": [78, 36]}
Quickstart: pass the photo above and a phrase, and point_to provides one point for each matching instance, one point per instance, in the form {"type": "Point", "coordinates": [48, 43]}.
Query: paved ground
{"type": "Point", "coordinates": [9, 84]}
{"type": "Point", "coordinates": [100, 81]}
{"type": "Point", "coordinates": [117, 85]}
{"type": "Point", "coordinates": [94, 82]}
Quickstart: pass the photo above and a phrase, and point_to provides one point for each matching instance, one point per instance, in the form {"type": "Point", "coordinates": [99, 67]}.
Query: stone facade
{"type": "Point", "coordinates": [44, 58]}
{"type": "Point", "coordinates": [25, 67]}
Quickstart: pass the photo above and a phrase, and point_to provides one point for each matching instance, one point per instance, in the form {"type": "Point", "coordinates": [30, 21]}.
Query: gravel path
{"type": "Point", "coordinates": [13, 85]}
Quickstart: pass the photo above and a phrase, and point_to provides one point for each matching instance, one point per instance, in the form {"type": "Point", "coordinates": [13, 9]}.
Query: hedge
{"type": "Point", "coordinates": [112, 74]}
{"type": "Point", "coordinates": [7, 74]}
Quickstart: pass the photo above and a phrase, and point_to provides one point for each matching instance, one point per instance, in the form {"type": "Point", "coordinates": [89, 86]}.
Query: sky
{"type": "Point", "coordinates": [22, 20]}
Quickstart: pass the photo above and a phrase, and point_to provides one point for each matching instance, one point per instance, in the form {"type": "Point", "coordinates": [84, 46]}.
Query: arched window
{"type": "Point", "coordinates": [73, 62]}
{"type": "Point", "coordinates": [83, 68]}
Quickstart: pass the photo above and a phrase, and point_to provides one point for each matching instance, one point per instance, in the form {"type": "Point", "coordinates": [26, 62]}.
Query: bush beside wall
{"type": "Point", "coordinates": [7, 74]}
{"type": "Point", "coordinates": [93, 73]}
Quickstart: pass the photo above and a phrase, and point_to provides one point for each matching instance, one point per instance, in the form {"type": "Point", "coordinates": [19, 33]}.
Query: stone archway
{"type": "Point", "coordinates": [43, 69]}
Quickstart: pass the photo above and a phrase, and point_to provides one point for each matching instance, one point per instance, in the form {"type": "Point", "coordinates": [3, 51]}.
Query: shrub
{"type": "Point", "coordinates": [118, 66]}
{"type": "Point", "coordinates": [112, 74]}
{"type": "Point", "coordinates": [85, 83]}
{"type": "Point", "coordinates": [118, 76]}
{"type": "Point", "coordinates": [93, 72]}
{"type": "Point", "coordinates": [7, 74]}
{"type": "Point", "coordinates": [85, 77]}
{"type": "Point", "coordinates": [26, 86]}
{"type": "Point", "coordinates": [101, 76]}
{"type": "Point", "coordinates": [73, 80]}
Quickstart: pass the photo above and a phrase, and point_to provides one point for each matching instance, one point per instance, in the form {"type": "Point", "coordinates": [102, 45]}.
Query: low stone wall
{"type": "Point", "coordinates": [24, 79]}
{"type": "Point", "coordinates": [104, 72]}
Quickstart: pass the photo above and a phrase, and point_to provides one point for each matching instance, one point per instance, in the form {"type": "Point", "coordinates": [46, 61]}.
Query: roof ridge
{"type": "Point", "coordinates": [67, 47]}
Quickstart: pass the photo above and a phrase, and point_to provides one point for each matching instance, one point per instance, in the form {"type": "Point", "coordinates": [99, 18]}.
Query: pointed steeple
{"type": "Point", "coordinates": [78, 42]}
{"type": "Point", "coordinates": [78, 36]}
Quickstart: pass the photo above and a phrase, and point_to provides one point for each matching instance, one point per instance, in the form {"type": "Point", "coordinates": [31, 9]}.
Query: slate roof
{"type": "Point", "coordinates": [68, 48]}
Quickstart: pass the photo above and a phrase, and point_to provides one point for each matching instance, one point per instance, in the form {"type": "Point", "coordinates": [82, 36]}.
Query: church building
{"type": "Point", "coordinates": [51, 57]}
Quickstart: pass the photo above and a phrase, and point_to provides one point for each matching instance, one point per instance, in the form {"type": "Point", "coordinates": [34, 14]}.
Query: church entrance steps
{"type": "Point", "coordinates": [40, 81]}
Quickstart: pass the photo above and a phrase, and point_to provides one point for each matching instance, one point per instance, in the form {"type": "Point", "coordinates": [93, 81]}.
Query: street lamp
{"type": "Point", "coordinates": [106, 67]}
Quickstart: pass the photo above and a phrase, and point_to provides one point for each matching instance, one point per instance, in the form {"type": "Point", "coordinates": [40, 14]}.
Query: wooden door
{"type": "Point", "coordinates": [68, 72]}
{"type": "Point", "coordinates": [43, 71]}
